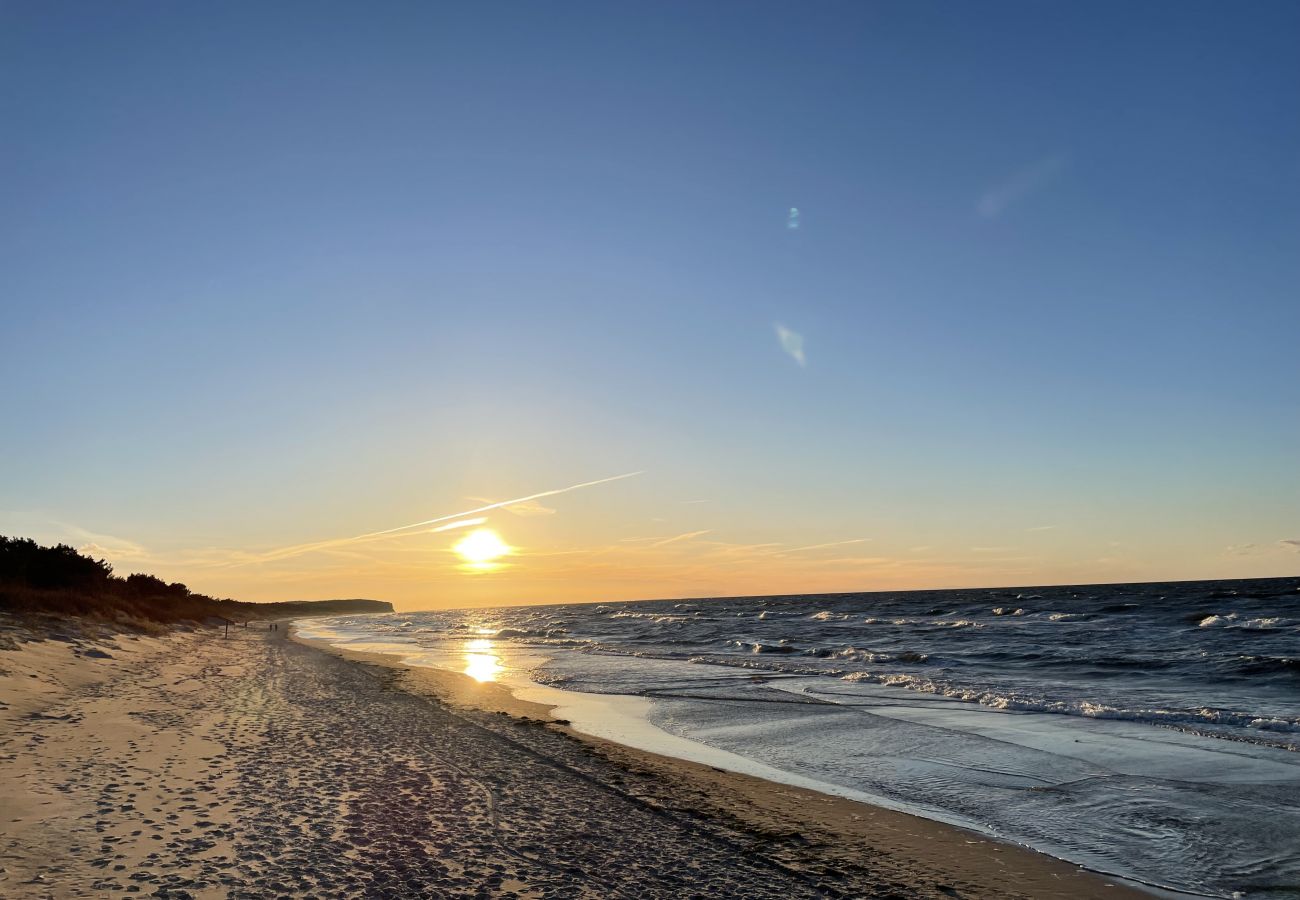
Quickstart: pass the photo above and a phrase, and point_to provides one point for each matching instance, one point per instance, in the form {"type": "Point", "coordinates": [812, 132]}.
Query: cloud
{"type": "Point", "coordinates": [102, 546]}
{"type": "Point", "coordinates": [112, 554]}
{"type": "Point", "coordinates": [831, 544]}
{"type": "Point", "coordinates": [791, 343]}
{"type": "Point", "coordinates": [526, 509]}
{"type": "Point", "coordinates": [992, 549]}
{"type": "Point", "coordinates": [403, 530]}
{"type": "Point", "coordinates": [680, 537]}
{"type": "Point", "coordinates": [1027, 181]}
{"type": "Point", "coordinates": [1042, 528]}
{"type": "Point", "coordinates": [120, 552]}
{"type": "Point", "coordinates": [1285, 545]}
{"type": "Point", "coordinates": [531, 508]}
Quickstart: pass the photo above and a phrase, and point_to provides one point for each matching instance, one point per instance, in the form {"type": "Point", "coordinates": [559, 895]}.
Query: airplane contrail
{"type": "Point", "coordinates": [460, 523]}
{"type": "Point", "coordinates": [300, 549]}
{"type": "Point", "coordinates": [820, 546]}
{"type": "Point", "coordinates": [680, 537]}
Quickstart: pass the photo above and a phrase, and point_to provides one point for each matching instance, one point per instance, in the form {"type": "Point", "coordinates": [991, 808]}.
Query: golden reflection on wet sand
{"type": "Point", "coordinates": [481, 663]}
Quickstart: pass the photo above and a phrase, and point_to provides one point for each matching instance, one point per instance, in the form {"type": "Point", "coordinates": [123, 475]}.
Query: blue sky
{"type": "Point", "coordinates": [283, 273]}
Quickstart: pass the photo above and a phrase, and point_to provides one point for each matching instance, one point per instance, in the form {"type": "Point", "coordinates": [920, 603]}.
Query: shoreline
{"type": "Point", "coordinates": [844, 827]}
{"type": "Point", "coordinates": [189, 765]}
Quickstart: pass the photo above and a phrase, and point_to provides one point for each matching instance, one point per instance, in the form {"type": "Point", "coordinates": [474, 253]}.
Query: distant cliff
{"type": "Point", "coordinates": [318, 607]}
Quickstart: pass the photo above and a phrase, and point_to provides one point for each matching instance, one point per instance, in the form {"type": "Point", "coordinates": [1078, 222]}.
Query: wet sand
{"type": "Point", "coordinates": [189, 765]}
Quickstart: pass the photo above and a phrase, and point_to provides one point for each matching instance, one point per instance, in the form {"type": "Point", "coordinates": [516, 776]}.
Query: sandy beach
{"type": "Point", "coordinates": [680, 451]}
{"type": "Point", "coordinates": [191, 765]}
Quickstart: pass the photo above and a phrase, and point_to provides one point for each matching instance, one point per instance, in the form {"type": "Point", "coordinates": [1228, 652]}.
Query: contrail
{"type": "Point", "coordinates": [820, 546]}
{"type": "Point", "coordinates": [681, 537]}
{"type": "Point", "coordinates": [300, 549]}
{"type": "Point", "coordinates": [461, 523]}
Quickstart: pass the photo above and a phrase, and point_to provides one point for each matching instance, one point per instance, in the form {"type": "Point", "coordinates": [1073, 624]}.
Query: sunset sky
{"type": "Point", "coordinates": [856, 296]}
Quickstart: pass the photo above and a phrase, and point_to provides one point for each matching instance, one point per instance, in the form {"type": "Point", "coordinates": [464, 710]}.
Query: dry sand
{"type": "Point", "coordinates": [189, 765]}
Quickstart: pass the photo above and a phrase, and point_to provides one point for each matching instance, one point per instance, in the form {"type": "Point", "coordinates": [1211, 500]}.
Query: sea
{"type": "Point", "coordinates": [1147, 731]}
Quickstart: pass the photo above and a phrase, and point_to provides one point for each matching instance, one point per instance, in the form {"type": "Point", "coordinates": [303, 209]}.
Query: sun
{"type": "Point", "coordinates": [481, 547]}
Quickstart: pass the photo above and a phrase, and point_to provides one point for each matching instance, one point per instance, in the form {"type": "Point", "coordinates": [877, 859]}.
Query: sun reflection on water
{"type": "Point", "coordinates": [481, 663]}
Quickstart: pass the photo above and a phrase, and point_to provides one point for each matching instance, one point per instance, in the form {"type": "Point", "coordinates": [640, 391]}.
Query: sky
{"type": "Point", "coordinates": [856, 296]}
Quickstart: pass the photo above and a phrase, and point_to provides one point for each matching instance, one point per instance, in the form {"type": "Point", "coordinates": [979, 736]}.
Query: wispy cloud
{"type": "Point", "coordinates": [830, 544]}
{"type": "Point", "coordinates": [116, 553]}
{"type": "Point", "coordinates": [401, 530]}
{"type": "Point", "coordinates": [791, 343]}
{"type": "Point", "coordinates": [1031, 179]}
{"type": "Point", "coordinates": [526, 509]}
{"type": "Point", "coordinates": [1282, 546]}
{"type": "Point", "coordinates": [680, 537]}
{"type": "Point", "coordinates": [1043, 528]}
{"type": "Point", "coordinates": [103, 546]}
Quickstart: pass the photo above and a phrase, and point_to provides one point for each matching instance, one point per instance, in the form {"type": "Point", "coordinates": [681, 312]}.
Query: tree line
{"type": "Point", "coordinates": [38, 579]}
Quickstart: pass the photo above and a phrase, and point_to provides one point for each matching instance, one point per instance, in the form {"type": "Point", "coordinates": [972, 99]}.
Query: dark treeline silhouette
{"type": "Point", "coordinates": [59, 580]}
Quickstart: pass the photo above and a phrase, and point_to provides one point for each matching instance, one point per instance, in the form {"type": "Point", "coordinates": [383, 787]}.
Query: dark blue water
{"type": "Point", "coordinates": [1221, 658]}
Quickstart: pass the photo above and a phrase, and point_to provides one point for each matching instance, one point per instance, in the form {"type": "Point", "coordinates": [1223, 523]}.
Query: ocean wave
{"type": "Point", "coordinates": [1267, 623]}
{"type": "Point", "coordinates": [780, 664]}
{"type": "Point", "coordinates": [548, 632]}
{"type": "Point", "coordinates": [1258, 665]}
{"type": "Point", "coordinates": [1141, 663]}
{"type": "Point", "coordinates": [551, 678]}
{"type": "Point", "coordinates": [854, 654]}
{"type": "Point", "coordinates": [657, 618]}
{"type": "Point", "coordinates": [1213, 621]}
{"type": "Point", "coordinates": [1233, 620]}
{"type": "Point", "coordinates": [759, 647]}
{"type": "Point", "coordinates": [1203, 716]}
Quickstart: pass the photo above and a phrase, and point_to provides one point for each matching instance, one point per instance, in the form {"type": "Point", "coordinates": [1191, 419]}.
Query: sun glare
{"type": "Point", "coordinates": [481, 663]}
{"type": "Point", "coordinates": [481, 547]}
